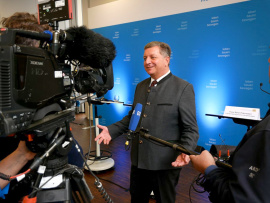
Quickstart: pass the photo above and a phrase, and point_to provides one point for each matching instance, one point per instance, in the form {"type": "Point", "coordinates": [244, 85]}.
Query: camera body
{"type": "Point", "coordinates": [35, 78]}
{"type": "Point", "coordinates": [30, 78]}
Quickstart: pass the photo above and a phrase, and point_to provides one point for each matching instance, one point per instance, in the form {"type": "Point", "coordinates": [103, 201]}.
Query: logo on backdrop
{"type": "Point", "coordinates": [212, 84]}
{"type": "Point", "coordinates": [225, 52]}
{"type": "Point", "coordinates": [250, 16]}
{"type": "Point", "coordinates": [116, 35]}
{"type": "Point", "coordinates": [211, 142]}
{"type": "Point", "coordinates": [183, 25]}
{"type": "Point", "coordinates": [260, 51]}
{"type": "Point", "coordinates": [214, 21]}
{"type": "Point", "coordinates": [157, 29]}
{"type": "Point", "coordinates": [194, 54]}
{"type": "Point", "coordinates": [136, 81]}
{"type": "Point", "coordinates": [248, 85]}
{"type": "Point", "coordinates": [117, 81]}
{"type": "Point", "coordinates": [128, 57]}
{"type": "Point", "coordinates": [135, 32]}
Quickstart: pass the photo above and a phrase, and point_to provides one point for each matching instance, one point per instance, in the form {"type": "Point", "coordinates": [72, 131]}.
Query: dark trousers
{"type": "Point", "coordinates": [161, 182]}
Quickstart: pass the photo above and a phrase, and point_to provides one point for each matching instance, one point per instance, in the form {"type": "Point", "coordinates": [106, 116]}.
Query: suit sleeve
{"type": "Point", "coordinates": [187, 111]}
{"type": "Point", "coordinates": [120, 127]}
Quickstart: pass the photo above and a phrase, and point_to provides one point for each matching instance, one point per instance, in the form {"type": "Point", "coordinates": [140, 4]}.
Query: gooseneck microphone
{"type": "Point", "coordinates": [135, 117]}
{"type": "Point", "coordinates": [261, 84]}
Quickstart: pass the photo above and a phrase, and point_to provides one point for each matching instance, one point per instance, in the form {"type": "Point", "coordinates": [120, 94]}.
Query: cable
{"type": "Point", "coordinates": [103, 192]}
{"type": "Point", "coordinates": [54, 143]}
{"type": "Point", "coordinates": [87, 155]}
{"type": "Point", "coordinates": [97, 183]}
{"type": "Point", "coordinates": [198, 180]}
{"type": "Point", "coordinates": [126, 189]}
{"type": "Point", "coordinates": [10, 178]}
{"type": "Point", "coordinates": [77, 123]}
{"type": "Point", "coordinates": [103, 158]}
{"type": "Point", "coordinates": [16, 176]}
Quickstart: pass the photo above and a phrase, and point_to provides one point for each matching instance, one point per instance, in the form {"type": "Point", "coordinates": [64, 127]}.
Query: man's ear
{"type": "Point", "coordinates": [168, 60]}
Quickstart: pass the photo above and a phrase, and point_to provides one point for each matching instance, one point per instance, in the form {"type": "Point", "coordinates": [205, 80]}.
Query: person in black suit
{"type": "Point", "coordinates": [168, 113]}
{"type": "Point", "coordinates": [249, 179]}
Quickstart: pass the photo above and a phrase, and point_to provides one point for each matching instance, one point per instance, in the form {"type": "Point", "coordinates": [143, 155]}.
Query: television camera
{"type": "Point", "coordinates": [38, 81]}
{"type": "Point", "coordinates": [36, 84]}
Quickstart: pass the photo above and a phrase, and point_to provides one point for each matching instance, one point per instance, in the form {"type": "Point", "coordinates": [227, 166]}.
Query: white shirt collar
{"type": "Point", "coordinates": [163, 76]}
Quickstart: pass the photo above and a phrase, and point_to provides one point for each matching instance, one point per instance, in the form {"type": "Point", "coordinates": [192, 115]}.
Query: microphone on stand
{"type": "Point", "coordinates": [228, 151]}
{"type": "Point", "coordinates": [136, 114]}
{"type": "Point", "coordinates": [261, 84]}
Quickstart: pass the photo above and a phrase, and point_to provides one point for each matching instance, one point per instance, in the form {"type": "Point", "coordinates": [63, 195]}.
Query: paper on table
{"type": "Point", "coordinates": [242, 112]}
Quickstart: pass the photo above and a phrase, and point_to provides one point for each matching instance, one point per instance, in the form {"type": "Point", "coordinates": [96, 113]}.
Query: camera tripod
{"type": "Point", "coordinates": [57, 181]}
{"type": "Point", "coordinates": [50, 176]}
{"type": "Point", "coordinates": [62, 183]}
{"type": "Point", "coordinates": [67, 185]}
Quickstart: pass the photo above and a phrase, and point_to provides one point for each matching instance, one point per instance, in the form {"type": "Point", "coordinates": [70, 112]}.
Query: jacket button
{"type": "Point", "coordinates": [144, 115]}
{"type": "Point", "coordinates": [140, 141]}
{"type": "Point", "coordinates": [148, 103]}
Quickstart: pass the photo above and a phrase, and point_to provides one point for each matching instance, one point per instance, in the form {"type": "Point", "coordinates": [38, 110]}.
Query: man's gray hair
{"type": "Point", "coordinates": [165, 49]}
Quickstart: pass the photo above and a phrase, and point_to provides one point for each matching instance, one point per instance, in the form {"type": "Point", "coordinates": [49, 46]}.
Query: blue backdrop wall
{"type": "Point", "coordinates": [222, 51]}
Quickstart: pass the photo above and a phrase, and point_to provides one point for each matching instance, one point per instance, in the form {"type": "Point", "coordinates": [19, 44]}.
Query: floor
{"type": "Point", "coordinates": [115, 181]}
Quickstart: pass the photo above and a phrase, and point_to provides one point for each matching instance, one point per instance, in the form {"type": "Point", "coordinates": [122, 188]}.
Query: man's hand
{"type": "Point", "coordinates": [202, 161]}
{"type": "Point", "coordinates": [181, 160]}
{"type": "Point", "coordinates": [104, 135]}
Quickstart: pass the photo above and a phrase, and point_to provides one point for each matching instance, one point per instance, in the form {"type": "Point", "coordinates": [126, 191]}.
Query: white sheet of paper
{"type": "Point", "coordinates": [242, 112]}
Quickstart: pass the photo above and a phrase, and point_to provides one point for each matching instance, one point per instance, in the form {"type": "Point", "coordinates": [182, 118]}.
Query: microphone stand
{"type": "Point", "coordinates": [261, 84]}
{"type": "Point", "coordinates": [144, 134]}
{"type": "Point", "coordinates": [98, 163]}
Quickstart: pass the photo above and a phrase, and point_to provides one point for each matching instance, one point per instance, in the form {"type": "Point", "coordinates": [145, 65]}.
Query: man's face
{"type": "Point", "coordinates": [155, 64]}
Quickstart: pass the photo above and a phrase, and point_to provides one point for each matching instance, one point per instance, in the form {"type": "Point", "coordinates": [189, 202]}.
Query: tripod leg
{"type": "Point", "coordinates": [81, 186]}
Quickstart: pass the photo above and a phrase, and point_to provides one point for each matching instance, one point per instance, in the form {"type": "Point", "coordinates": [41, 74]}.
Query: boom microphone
{"type": "Point", "coordinates": [144, 134]}
{"type": "Point", "coordinates": [88, 47]}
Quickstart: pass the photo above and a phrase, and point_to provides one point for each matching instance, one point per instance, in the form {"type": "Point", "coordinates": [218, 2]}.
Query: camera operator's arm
{"type": "Point", "coordinates": [14, 162]}
{"type": "Point", "coordinates": [104, 135]}
{"type": "Point", "coordinates": [203, 161]}
{"type": "Point", "coordinates": [217, 181]}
